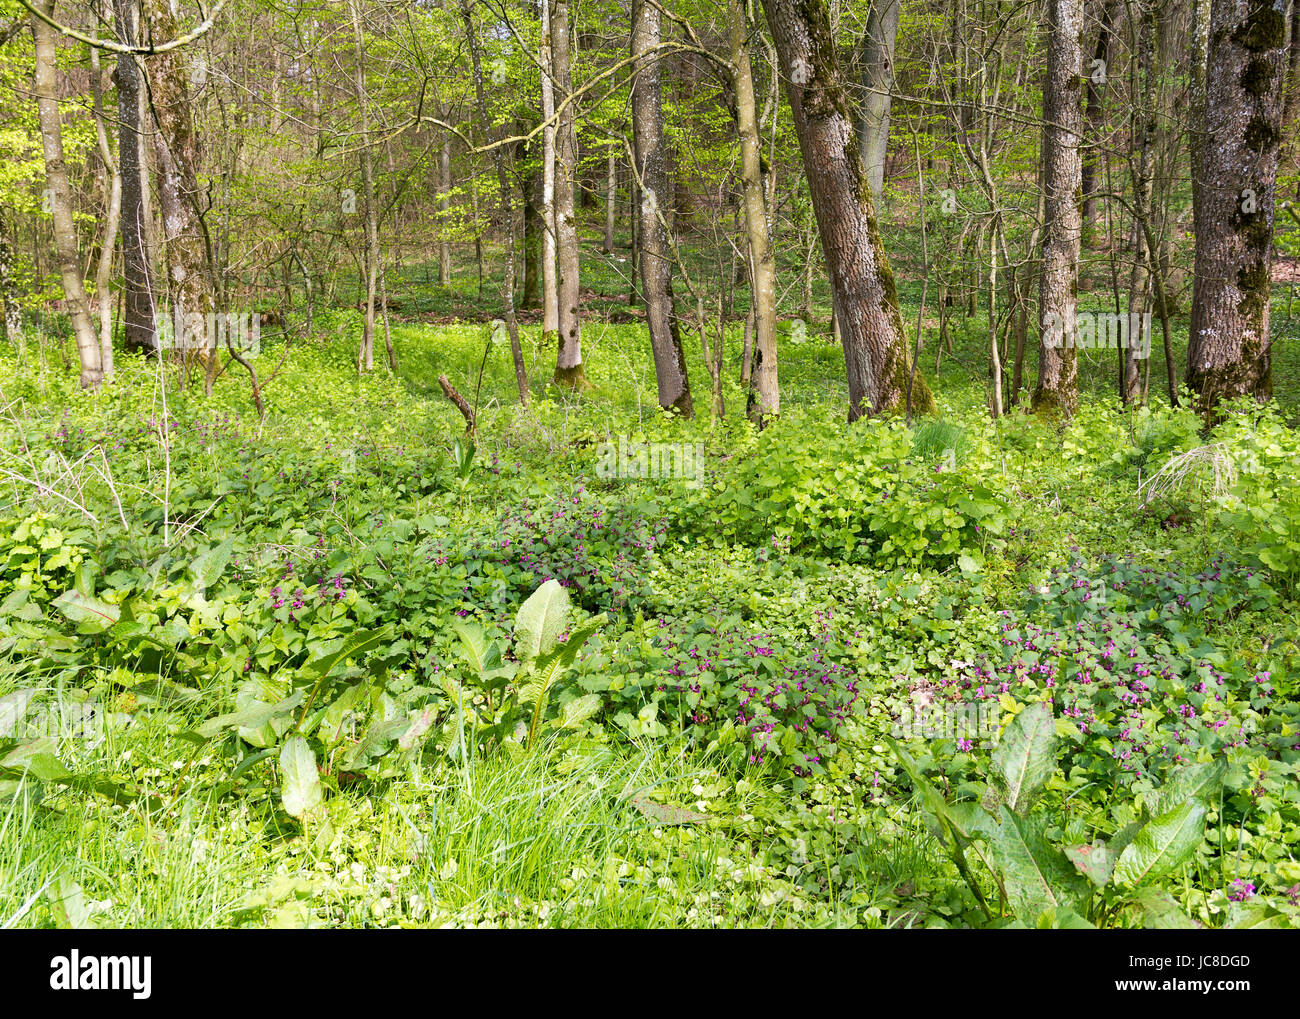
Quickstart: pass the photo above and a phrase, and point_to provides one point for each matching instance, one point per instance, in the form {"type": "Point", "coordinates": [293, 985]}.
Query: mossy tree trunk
{"type": "Point", "coordinates": [1228, 353]}
{"type": "Point", "coordinates": [862, 282]}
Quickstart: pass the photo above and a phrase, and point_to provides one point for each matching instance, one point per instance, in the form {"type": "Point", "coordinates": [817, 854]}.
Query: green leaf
{"type": "Point", "coordinates": [1161, 912]}
{"type": "Point", "coordinates": [1095, 862]}
{"type": "Point", "coordinates": [68, 904]}
{"type": "Point", "coordinates": [540, 621]}
{"type": "Point", "coordinates": [1026, 755]}
{"type": "Point", "coordinates": [208, 566]}
{"type": "Point", "coordinates": [80, 608]}
{"type": "Point", "coordinates": [354, 645]}
{"type": "Point", "coordinates": [1194, 780]}
{"type": "Point", "coordinates": [300, 785]}
{"type": "Point", "coordinates": [479, 654]}
{"type": "Point", "coordinates": [1162, 845]}
{"type": "Point", "coordinates": [254, 716]}
{"type": "Point", "coordinates": [578, 710]}
{"type": "Point", "coordinates": [1257, 915]}
{"type": "Point", "coordinates": [1037, 876]}
{"type": "Point", "coordinates": [661, 813]}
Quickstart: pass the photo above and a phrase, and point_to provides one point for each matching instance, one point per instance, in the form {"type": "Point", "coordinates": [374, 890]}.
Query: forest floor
{"type": "Point", "coordinates": [277, 673]}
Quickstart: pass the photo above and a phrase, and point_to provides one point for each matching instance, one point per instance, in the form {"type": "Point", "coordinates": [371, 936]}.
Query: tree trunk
{"type": "Point", "coordinates": [507, 210]}
{"type": "Point", "coordinates": [568, 358]}
{"type": "Point", "coordinates": [1057, 392]}
{"type": "Point", "coordinates": [11, 320]}
{"type": "Point", "coordinates": [611, 201]}
{"type": "Point", "coordinates": [550, 284]}
{"type": "Point", "coordinates": [366, 355]}
{"type": "Point", "coordinates": [444, 211]}
{"type": "Point", "coordinates": [862, 282]}
{"type": "Point", "coordinates": [111, 182]}
{"type": "Point", "coordinates": [138, 304]}
{"type": "Point", "coordinates": [176, 148]}
{"type": "Point", "coordinates": [1141, 171]}
{"type": "Point", "coordinates": [764, 393]}
{"type": "Point", "coordinates": [877, 62]}
{"type": "Point", "coordinates": [530, 291]}
{"type": "Point", "coordinates": [1095, 78]}
{"type": "Point", "coordinates": [1228, 352]}
{"type": "Point", "coordinates": [56, 178]}
{"type": "Point", "coordinates": [656, 268]}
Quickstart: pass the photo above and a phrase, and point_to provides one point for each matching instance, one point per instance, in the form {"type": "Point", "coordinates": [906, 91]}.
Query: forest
{"type": "Point", "coordinates": [649, 464]}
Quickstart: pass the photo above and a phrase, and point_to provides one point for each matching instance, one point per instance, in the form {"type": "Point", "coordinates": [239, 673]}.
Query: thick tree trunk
{"type": "Point", "coordinates": [568, 359]}
{"type": "Point", "coordinates": [138, 304]}
{"type": "Point", "coordinates": [862, 282]}
{"type": "Point", "coordinates": [656, 268]}
{"type": "Point", "coordinates": [1057, 392]}
{"type": "Point", "coordinates": [764, 393]}
{"type": "Point", "coordinates": [176, 148]}
{"type": "Point", "coordinates": [876, 59]}
{"type": "Point", "coordinates": [1228, 353]}
{"type": "Point", "coordinates": [56, 178]}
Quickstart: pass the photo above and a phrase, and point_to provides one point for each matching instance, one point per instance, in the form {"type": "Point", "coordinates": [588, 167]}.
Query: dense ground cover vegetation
{"type": "Point", "coordinates": [342, 667]}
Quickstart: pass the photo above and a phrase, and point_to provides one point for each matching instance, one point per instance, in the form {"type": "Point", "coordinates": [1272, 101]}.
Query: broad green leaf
{"type": "Point", "coordinates": [1161, 912]}
{"type": "Point", "coordinates": [1026, 755]}
{"type": "Point", "coordinates": [1194, 780]}
{"type": "Point", "coordinates": [540, 621]}
{"type": "Point", "coordinates": [578, 710]}
{"type": "Point", "coordinates": [68, 904]}
{"type": "Point", "coordinates": [663, 814]}
{"type": "Point", "coordinates": [80, 608]}
{"type": "Point", "coordinates": [932, 799]}
{"type": "Point", "coordinates": [1162, 845]}
{"type": "Point", "coordinates": [208, 566]}
{"type": "Point", "coordinates": [1257, 915]}
{"type": "Point", "coordinates": [1036, 875]}
{"type": "Point", "coordinates": [300, 781]}
{"type": "Point", "coordinates": [254, 716]}
{"type": "Point", "coordinates": [354, 645]}
{"type": "Point", "coordinates": [1062, 918]}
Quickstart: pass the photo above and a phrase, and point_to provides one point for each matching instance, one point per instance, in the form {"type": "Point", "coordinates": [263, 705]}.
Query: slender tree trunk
{"type": "Point", "coordinates": [611, 201]}
{"type": "Point", "coordinates": [507, 210]}
{"type": "Point", "coordinates": [1141, 172]}
{"type": "Point", "coordinates": [1095, 78]}
{"type": "Point", "coordinates": [656, 267]}
{"type": "Point", "coordinates": [366, 355]}
{"type": "Point", "coordinates": [1057, 393]}
{"type": "Point", "coordinates": [764, 393]}
{"type": "Point", "coordinates": [550, 282]}
{"type": "Point", "coordinates": [111, 181]}
{"type": "Point", "coordinates": [140, 328]}
{"type": "Point", "coordinates": [877, 62]}
{"type": "Point", "coordinates": [60, 194]}
{"type": "Point", "coordinates": [444, 211]}
{"type": "Point", "coordinates": [1229, 352]}
{"type": "Point", "coordinates": [12, 319]}
{"type": "Point", "coordinates": [530, 291]}
{"type": "Point", "coordinates": [862, 282]}
{"type": "Point", "coordinates": [568, 359]}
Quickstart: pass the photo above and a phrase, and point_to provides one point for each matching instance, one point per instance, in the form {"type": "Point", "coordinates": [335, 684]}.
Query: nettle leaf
{"type": "Point", "coordinates": [1162, 845]}
{"type": "Point", "coordinates": [300, 787]}
{"type": "Point", "coordinates": [1161, 912]}
{"type": "Point", "coordinates": [87, 611]}
{"type": "Point", "coordinates": [1036, 875]}
{"type": "Point", "coordinates": [1026, 756]}
{"type": "Point", "coordinates": [540, 621]}
{"type": "Point", "coordinates": [1201, 781]}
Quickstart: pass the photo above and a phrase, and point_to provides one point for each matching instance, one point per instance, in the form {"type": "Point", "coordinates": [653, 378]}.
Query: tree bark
{"type": "Point", "coordinates": [656, 267]}
{"type": "Point", "coordinates": [550, 283]}
{"type": "Point", "coordinates": [444, 211]}
{"type": "Point", "coordinates": [764, 399]}
{"type": "Point", "coordinates": [877, 62]}
{"type": "Point", "coordinates": [60, 194]}
{"type": "Point", "coordinates": [111, 182]}
{"type": "Point", "coordinates": [1228, 353]}
{"type": "Point", "coordinates": [862, 282]}
{"type": "Point", "coordinates": [1057, 392]}
{"type": "Point", "coordinates": [138, 304]}
{"type": "Point", "coordinates": [1094, 115]}
{"type": "Point", "coordinates": [568, 358]}
{"type": "Point", "coordinates": [366, 355]}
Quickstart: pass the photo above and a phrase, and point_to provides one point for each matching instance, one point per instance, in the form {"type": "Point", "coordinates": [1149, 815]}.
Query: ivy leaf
{"type": "Point", "coordinates": [1162, 845]}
